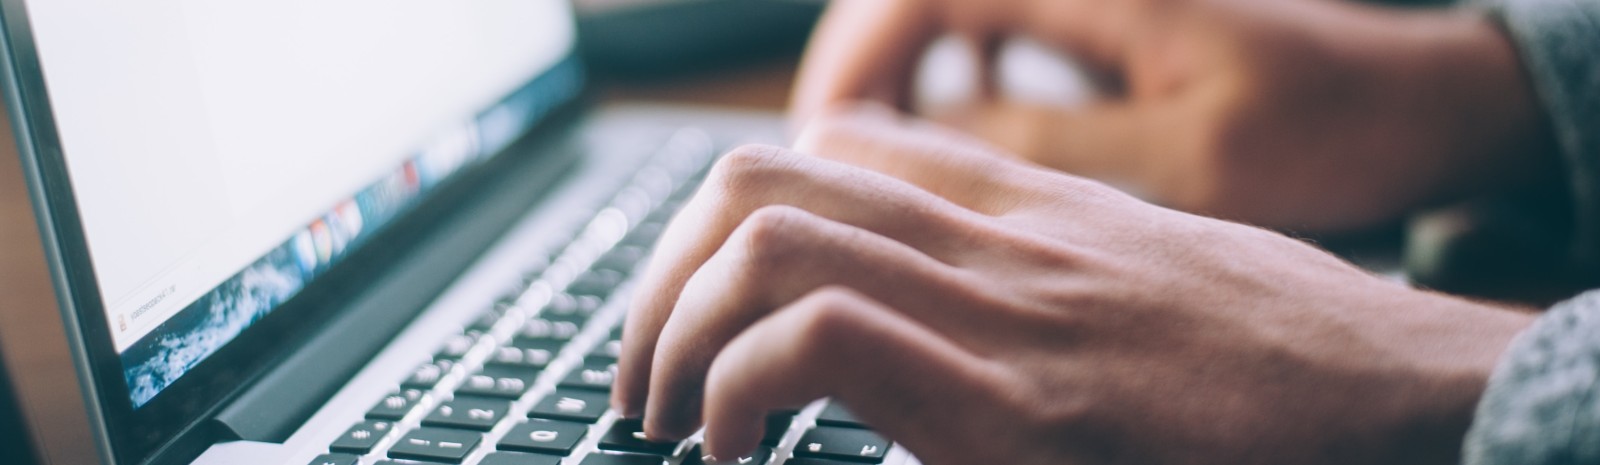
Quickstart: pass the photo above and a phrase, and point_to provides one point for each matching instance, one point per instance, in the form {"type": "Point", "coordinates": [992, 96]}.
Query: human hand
{"type": "Point", "coordinates": [981, 310]}
{"type": "Point", "coordinates": [1312, 115]}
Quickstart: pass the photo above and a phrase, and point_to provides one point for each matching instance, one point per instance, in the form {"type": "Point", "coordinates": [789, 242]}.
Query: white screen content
{"type": "Point", "coordinates": [201, 134]}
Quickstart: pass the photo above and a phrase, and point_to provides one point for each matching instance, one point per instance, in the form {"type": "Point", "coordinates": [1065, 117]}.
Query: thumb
{"type": "Point", "coordinates": [863, 50]}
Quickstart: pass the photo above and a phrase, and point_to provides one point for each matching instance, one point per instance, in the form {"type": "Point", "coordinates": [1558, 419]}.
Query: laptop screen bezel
{"type": "Point", "coordinates": [125, 434]}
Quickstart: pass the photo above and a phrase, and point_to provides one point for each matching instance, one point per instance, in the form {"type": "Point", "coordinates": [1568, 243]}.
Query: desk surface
{"type": "Point", "coordinates": [30, 329]}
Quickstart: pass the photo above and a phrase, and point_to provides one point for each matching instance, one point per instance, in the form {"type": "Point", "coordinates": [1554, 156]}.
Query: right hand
{"type": "Point", "coordinates": [1312, 115]}
{"type": "Point", "coordinates": [982, 310]}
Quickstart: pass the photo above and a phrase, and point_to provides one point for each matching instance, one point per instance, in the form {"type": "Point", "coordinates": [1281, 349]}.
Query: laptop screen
{"type": "Point", "coordinates": [224, 154]}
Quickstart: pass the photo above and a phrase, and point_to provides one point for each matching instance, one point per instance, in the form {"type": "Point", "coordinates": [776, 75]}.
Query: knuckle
{"type": "Point", "coordinates": [749, 166]}
{"type": "Point", "coordinates": [832, 298]}
{"type": "Point", "coordinates": [771, 235]}
{"type": "Point", "coordinates": [1061, 418]}
{"type": "Point", "coordinates": [826, 320]}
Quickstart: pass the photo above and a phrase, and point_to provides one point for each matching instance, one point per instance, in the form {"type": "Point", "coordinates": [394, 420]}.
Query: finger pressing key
{"type": "Point", "coordinates": [836, 342]}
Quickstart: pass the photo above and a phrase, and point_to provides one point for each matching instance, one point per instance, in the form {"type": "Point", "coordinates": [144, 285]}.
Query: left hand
{"type": "Point", "coordinates": [980, 310]}
{"type": "Point", "coordinates": [1308, 115]}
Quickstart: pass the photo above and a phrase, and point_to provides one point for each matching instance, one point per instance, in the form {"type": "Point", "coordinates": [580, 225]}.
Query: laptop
{"type": "Point", "coordinates": [301, 232]}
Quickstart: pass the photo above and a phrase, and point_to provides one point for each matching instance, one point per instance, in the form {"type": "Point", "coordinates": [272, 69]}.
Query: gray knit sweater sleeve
{"type": "Point", "coordinates": [1543, 404]}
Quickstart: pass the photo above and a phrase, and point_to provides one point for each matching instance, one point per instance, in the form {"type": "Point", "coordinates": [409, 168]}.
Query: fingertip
{"type": "Point", "coordinates": [735, 421]}
{"type": "Point", "coordinates": [624, 406]}
{"type": "Point", "coordinates": [640, 333]}
{"type": "Point", "coordinates": [725, 445]}
{"type": "Point", "coordinates": [670, 420]}
{"type": "Point", "coordinates": [673, 400]}
{"type": "Point", "coordinates": [665, 430]}
{"type": "Point", "coordinates": [630, 391]}
{"type": "Point", "coordinates": [730, 435]}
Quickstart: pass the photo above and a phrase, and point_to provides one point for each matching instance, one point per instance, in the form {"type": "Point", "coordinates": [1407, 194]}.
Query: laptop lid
{"type": "Point", "coordinates": [197, 165]}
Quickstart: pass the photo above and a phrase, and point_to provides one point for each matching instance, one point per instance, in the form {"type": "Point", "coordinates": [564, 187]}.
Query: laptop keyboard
{"type": "Point", "coordinates": [528, 382]}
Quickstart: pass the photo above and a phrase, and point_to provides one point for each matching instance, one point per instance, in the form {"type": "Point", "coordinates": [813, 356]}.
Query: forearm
{"type": "Point", "coordinates": [1541, 406]}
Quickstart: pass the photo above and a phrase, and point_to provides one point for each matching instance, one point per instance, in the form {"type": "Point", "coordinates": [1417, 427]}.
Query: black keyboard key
{"type": "Point", "coordinates": [456, 347]}
{"type": "Point", "coordinates": [777, 425]}
{"type": "Point", "coordinates": [609, 351]}
{"type": "Point", "coordinates": [391, 462]}
{"type": "Point", "coordinates": [570, 308]}
{"type": "Point", "coordinates": [438, 444]}
{"type": "Point", "coordinates": [566, 404]}
{"type": "Point", "coordinates": [546, 330]}
{"type": "Point", "coordinates": [623, 258]}
{"type": "Point", "coordinates": [522, 357]}
{"type": "Point", "coordinates": [628, 436]}
{"type": "Point", "coordinates": [596, 282]}
{"type": "Point", "coordinates": [360, 439]}
{"type": "Point", "coordinates": [395, 406]}
{"type": "Point", "coordinates": [499, 381]}
{"type": "Point", "coordinates": [546, 345]}
{"type": "Point", "coordinates": [427, 375]}
{"type": "Point", "coordinates": [336, 459]}
{"type": "Point", "coordinates": [518, 458]}
{"type": "Point", "coordinates": [565, 307]}
{"type": "Point", "coordinates": [594, 375]}
{"type": "Point", "coordinates": [623, 459]}
{"type": "Point", "coordinates": [802, 461]}
{"type": "Point", "coordinates": [834, 414]}
{"type": "Point", "coordinates": [855, 445]}
{"type": "Point", "coordinates": [468, 413]}
{"type": "Point", "coordinates": [761, 456]}
{"type": "Point", "coordinates": [544, 436]}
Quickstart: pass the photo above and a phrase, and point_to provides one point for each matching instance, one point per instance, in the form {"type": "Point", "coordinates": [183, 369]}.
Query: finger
{"type": "Point", "coordinates": [1096, 32]}
{"type": "Point", "coordinates": [744, 181]}
{"type": "Point", "coordinates": [869, 49]}
{"type": "Point", "coordinates": [985, 48]}
{"type": "Point", "coordinates": [1108, 141]}
{"type": "Point", "coordinates": [881, 363]}
{"type": "Point", "coordinates": [956, 166]}
{"type": "Point", "coordinates": [863, 49]}
{"type": "Point", "coordinates": [778, 255]}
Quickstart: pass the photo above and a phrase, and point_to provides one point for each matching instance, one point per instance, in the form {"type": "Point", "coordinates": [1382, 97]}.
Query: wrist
{"type": "Point", "coordinates": [1451, 348]}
